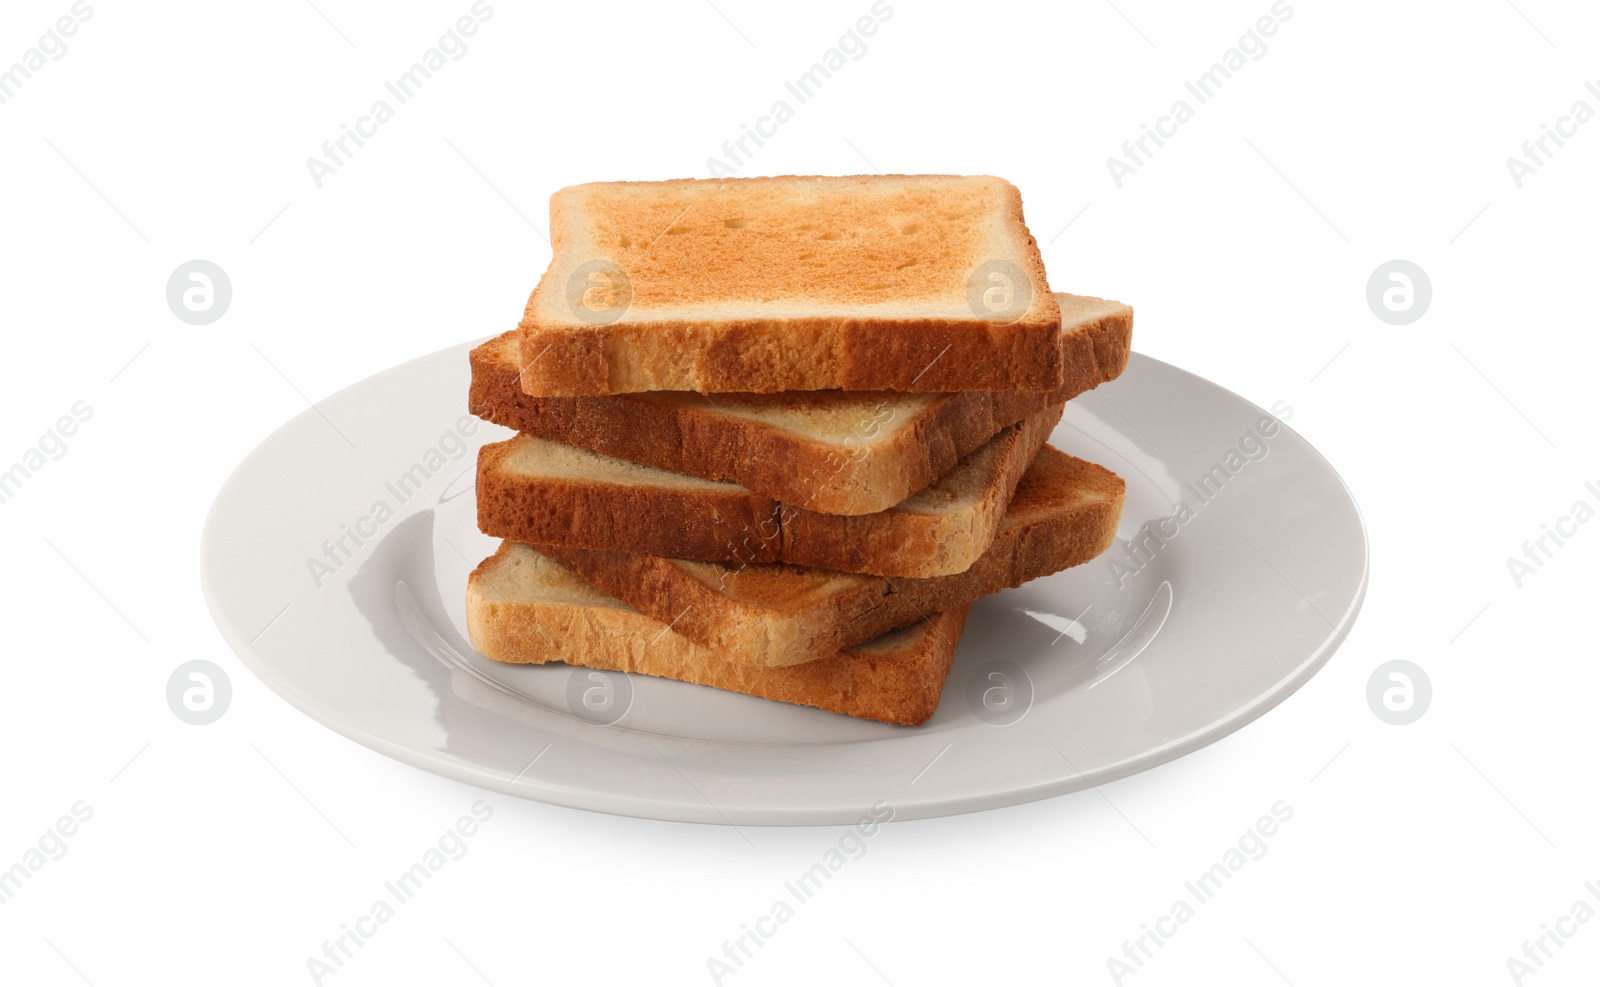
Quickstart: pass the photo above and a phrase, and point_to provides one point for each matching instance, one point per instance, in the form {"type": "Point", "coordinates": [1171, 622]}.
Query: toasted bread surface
{"type": "Point", "coordinates": [523, 607]}
{"type": "Point", "coordinates": [1064, 513]}
{"type": "Point", "coordinates": [543, 492]}
{"type": "Point", "coordinates": [835, 452]}
{"type": "Point", "coordinates": [897, 282]}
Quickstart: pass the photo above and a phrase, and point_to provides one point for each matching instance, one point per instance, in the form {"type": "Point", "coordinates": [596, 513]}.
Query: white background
{"type": "Point", "coordinates": [1368, 131]}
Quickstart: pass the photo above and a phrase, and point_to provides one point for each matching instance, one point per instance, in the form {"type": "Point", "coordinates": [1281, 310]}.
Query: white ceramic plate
{"type": "Point", "coordinates": [335, 562]}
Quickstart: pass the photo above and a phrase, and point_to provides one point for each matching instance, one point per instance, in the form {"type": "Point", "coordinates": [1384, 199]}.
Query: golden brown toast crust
{"type": "Point", "coordinates": [852, 241]}
{"type": "Point", "coordinates": [902, 542]}
{"type": "Point", "coordinates": [1063, 514]}
{"type": "Point", "coordinates": [730, 524]}
{"type": "Point", "coordinates": [908, 450]}
{"type": "Point", "coordinates": [800, 354]}
{"type": "Point", "coordinates": [789, 283]}
{"type": "Point", "coordinates": [900, 685]}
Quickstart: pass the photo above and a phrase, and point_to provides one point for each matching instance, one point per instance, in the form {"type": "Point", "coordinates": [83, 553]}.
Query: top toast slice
{"type": "Point", "coordinates": [835, 452]}
{"type": "Point", "coordinates": [873, 282]}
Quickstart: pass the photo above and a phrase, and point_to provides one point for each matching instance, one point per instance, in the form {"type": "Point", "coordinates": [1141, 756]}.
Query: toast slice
{"type": "Point", "coordinates": [866, 282]}
{"type": "Point", "coordinates": [523, 607]}
{"type": "Point", "coordinates": [1063, 514]}
{"type": "Point", "coordinates": [837, 452]}
{"type": "Point", "coordinates": [549, 493]}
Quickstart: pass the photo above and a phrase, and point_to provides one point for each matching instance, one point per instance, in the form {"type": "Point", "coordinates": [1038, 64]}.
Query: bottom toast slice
{"type": "Point", "coordinates": [1064, 513]}
{"type": "Point", "coordinates": [523, 607]}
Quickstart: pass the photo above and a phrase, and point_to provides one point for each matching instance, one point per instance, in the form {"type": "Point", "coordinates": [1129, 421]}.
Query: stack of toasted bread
{"type": "Point", "coordinates": [777, 434]}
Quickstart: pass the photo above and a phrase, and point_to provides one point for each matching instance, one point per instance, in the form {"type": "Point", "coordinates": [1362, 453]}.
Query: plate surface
{"type": "Point", "coordinates": [336, 556]}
